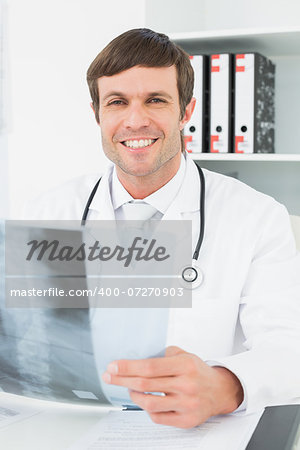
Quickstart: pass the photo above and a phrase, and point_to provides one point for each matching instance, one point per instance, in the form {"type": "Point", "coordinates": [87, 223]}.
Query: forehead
{"type": "Point", "coordinates": [139, 81]}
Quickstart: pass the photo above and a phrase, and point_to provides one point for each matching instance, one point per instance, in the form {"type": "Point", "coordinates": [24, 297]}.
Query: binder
{"type": "Point", "coordinates": [195, 132]}
{"type": "Point", "coordinates": [254, 104]}
{"type": "Point", "coordinates": [221, 102]}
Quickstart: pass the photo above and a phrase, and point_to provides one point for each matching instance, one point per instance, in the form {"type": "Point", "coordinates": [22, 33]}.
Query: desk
{"type": "Point", "coordinates": [55, 428]}
{"type": "Point", "coordinates": [60, 425]}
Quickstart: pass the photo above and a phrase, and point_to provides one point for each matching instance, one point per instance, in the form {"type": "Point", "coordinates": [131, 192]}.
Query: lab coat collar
{"type": "Point", "coordinates": [101, 202]}
{"type": "Point", "coordinates": [187, 199]}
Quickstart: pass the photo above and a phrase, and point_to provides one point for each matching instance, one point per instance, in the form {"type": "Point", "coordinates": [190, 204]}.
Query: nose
{"type": "Point", "coordinates": [136, 116]}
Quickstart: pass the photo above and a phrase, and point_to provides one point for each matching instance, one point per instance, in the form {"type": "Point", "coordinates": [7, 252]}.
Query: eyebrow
{"type": "Point", "coordinates": [149, 94]}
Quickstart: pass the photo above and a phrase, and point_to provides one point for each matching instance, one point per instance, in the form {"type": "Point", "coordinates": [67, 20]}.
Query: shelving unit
{"type": "Point", "coordinates": [282, 46]}
{"type": "Point", "coordinates": [258, 157]}
{"type": "Point", "coordinates": [271, 41]}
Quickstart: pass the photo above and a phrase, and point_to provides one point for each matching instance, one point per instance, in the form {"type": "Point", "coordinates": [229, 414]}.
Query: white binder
{"type": "Point", "coordinates": [195, 132]}
{"type": "Point", "coordinates": [254, 104]}
{"type": "Point", "coordinates": [221, 92]}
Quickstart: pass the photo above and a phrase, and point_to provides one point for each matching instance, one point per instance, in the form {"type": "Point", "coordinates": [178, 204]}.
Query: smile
{"type": "Point", "coordinates": [141, 143]}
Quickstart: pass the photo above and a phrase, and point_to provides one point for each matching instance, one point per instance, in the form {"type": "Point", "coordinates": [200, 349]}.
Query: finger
{"type": "Point", "coordinates": [154, 403]}
{"type": "Point", "coordinates": [151, 367]}
{"type": "Point", "coordinates": [167, 385]}
{"type": "Point", "coordinates": [172, 350]}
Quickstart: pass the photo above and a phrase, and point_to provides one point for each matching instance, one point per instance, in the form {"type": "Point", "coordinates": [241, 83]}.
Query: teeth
{"type": "Point", "coordinates": [139, 144]}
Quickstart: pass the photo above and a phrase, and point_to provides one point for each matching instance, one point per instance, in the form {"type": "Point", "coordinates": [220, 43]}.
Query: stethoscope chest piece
{"type": "Point", "coordinates": [192, 276]}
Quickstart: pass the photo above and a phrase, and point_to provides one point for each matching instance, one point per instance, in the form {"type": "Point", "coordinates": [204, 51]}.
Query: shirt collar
{"type": "Point", "coordinates": [160, 199]}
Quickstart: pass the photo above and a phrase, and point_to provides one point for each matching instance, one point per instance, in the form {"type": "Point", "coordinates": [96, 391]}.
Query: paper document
{"type": "Point", "coordinates": [135, 430]}
{"type": "Point", "coordinates": [10, 414]}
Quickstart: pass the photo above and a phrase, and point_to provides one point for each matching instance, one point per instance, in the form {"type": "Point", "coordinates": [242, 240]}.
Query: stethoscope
{"type": "Point", "coordinates": [192, 276]}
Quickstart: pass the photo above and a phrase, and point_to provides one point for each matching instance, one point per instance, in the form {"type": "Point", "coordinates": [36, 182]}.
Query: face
{"type": "Point", "coordinates": [140, 119]}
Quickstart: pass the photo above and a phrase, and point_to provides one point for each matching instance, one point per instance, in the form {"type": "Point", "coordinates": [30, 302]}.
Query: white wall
{"type": "Point", "coordinates": [250, 14]}
{"type": "Point", "coordinates": [3, 177]}
{"type": "Point", "coordinates": [170, 16]}
{"type": "Point", "coordinates": [199, 15]}
{"type": "Point", "coordinates": [3, 140]}
{"type": "Point", "coordinates": [52, 133]}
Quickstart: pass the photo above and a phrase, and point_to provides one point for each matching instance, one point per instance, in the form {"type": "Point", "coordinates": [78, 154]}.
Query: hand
{"type": "Point", "coordinates": [193, 390]}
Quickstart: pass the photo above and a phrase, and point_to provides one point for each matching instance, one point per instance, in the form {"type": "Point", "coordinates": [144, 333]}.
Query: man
{"type": "Point", "coordinates": [141, 86]}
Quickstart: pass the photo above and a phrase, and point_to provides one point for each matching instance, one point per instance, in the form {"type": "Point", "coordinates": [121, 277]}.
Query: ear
{"type": "Point", "coordinates": [92, 106]}
{"type": "Point", "coordinates": [188, 113]}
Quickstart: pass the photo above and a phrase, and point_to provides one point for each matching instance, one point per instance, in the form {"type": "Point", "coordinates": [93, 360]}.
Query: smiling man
{"type": "Point", "coordinates": [141, 86]}
{"type": "Point", "coordinates": [238, 347]}
{"type": "Point", "coordinates": [141, 124]}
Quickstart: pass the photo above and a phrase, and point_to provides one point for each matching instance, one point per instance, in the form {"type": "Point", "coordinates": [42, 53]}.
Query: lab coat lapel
{"type": "Point", "coordinates": [186, 205]}
{"type": "Point", "coordinates": [173, 212]}
{"type": "Point", "coordinates": [188, 198]}
{"type": "Point", "coordinates": [101, 207]}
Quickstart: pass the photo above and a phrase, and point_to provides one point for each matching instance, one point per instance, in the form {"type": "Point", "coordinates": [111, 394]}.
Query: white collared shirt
{"type": "Point", "coordinates": [160, 199]}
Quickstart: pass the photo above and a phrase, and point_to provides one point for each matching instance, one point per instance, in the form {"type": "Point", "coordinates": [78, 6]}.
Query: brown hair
{"type": "Point", "coordinates": [142, 47]}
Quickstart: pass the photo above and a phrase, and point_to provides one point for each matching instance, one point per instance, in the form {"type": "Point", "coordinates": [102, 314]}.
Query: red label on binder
{"type": "Point", "coordinates": [239, 68]}
{"type": "Point", "coordinates": [215, 68]}
{"type": "Point", "coordinates": [188, 139]}
{"type": "Point", "coordinates": [213, 139]}
{"type": "Point", "coordinates": [238, 139]}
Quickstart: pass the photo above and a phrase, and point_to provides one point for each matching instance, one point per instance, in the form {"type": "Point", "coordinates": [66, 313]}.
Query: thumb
{"type": "Point", "coordinates": [172, 350]}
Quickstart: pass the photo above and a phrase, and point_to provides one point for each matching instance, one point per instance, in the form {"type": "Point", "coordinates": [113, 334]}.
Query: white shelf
{"type": "Point", "coordinates": [270, 42]}
{"type": "Point", "coordinates": [259, 157]}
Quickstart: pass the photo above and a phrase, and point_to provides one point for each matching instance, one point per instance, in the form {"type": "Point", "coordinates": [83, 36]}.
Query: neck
{"type": "Point", "coordinates": [139, 187]}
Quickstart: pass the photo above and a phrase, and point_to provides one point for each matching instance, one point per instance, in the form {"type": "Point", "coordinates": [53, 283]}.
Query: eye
{"type": "Point", "coordinates": [116, 102]}
{"type": "Point", "coordinates": [157, 100]}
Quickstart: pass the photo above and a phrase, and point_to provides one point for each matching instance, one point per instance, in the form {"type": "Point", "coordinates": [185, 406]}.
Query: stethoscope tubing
{"type": "Point", "coordinates": [202, 217]}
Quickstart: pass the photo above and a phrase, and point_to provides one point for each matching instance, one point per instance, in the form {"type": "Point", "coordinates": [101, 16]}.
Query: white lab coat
{"type": "Point", "coordinates": [252, 279]}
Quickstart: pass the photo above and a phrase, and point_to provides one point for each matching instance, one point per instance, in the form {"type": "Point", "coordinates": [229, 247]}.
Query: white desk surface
{"type": "Point", "coordinates": [56, 427]}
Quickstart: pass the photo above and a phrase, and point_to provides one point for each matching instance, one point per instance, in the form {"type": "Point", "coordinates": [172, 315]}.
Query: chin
{"type": "Point", "coordinates": [136, 168]}
{"type": "Point", "coordinates": [137, 171]}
